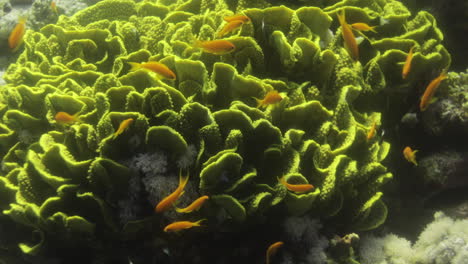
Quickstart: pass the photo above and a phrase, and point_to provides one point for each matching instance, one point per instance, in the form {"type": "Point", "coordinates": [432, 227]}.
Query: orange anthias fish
{"type": "Point", "coordinates": [270, 98]}
{"type": "Point", "coordinates": [169, 200]}
{"type": "Point", "coordinates": [217, 47]}
{"type": "Point", "coordinates": [272, 249]}
{"type": "Point", "coordinates": [363, 27]}
{"type": "Point", "coordinates": [194, 206]}
{"type": "Point", "coordinates": [296, 187]}
{"type": "Point", "coordinates": [229, 27]}
{"type": "Point", "coordinates": [154, 66]}
{"type": "Point", "coordinates": [16, 36]}
{"type": "Point", "coordinates": [372, 130]}
{"type": "Point", "coordinates": [242, 18]}
{"type": "Point", "coordinates": [348, 36]}
{"type": "Point", "coordinates": [181, 225]}
{"type": "Point", "coordinates": [410, 155]}
{"type": "Point", "coordinates": [53, 6]}
{"type": "Point", "coordinates": [66, 118]}
{"type": "Point", "coordinates": [407, 65]}
{"type": "Point", "coordinates": [122, 127]}
{"type": "Point", "coordinates": [430, 91]}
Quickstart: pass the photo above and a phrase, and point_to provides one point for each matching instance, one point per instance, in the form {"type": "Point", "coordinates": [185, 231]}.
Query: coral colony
{"type": "Point", "coordinates": [148, 132]}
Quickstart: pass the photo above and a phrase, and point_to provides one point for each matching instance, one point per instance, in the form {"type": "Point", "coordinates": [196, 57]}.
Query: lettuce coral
{"type": "Point", "coordinates": [77, 187]}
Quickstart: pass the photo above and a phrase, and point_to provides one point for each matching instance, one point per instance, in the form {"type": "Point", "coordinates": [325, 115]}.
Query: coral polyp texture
{"type": "Point", "coordinates": [444, 240]}
{"type": "Point", "coordinates": [69, 187]}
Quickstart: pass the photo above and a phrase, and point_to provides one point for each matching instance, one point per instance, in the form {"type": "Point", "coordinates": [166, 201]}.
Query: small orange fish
{"type": "Point", "coordinates": [194, 206]}
{"type": "Point", "coordinates": [122, 127]}
{"type": "Point", "coordinates": [348, 37]}
{"type": "Point", "coordinates": [229, 27]}
{"type": "Point", "coordinates": [410, 155]}
{"type": "Point", "coordinates": [154, 66]}
{"type": "Point", "coordinates": [296, 187]}
{"type": "Point", "coordinates": [53, 6]}
{"type": "Point", "coordinates": [16, 36]}
{"type": "Point", "coordinates": [270, 98]}
{"type": "Point", "coordinates": [66, 118]}
{"type": "Point", "coordinates": [217, 47]}
{"type": "Point", "coordinates": [372, 131]}
{"type": "Point", "coordinates": [363, 27]}
{"type": "Point", "coordinates": [181, 225]}
{"type": "Point", "coordinates": [272, 249]}
{"type": "Point", "coordinates": [169, 200]}
{"type": "Point", "coordinates": [407, 65]}
{"type": "Point", "coordinates": [242, 18]}
{"type": "Point", "coordinates": [430, 91]}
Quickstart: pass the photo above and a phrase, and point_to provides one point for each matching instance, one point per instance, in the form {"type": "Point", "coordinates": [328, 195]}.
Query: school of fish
{"type": "Point", "coordinates": [223, 47]}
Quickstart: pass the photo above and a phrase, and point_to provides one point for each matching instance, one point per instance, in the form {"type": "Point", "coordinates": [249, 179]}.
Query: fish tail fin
{"type": "Point", "coordinates": [78, 118]}
{"type": "Point", "coordinates": [414, 158]}
{"type": "Point", "coordinates": [180, 210]}
{"type": "Point", "coordinates": [23, 19]}
{"type": "Point", "coordinates": [116, 133]}
{"type": "Point", "coordinates": [54, 8]}
{"type": "Point", "coordinates": [199, 222]}
{"type": "Point", "coordinates": [79, 112]}
{"type": "Point", "coordinates": [134, 66]}
{"type": "Point", "coordinates": [220, 33]}
{"type": "Point", "coordinates": [341, 16]}
{"type": "Point", "coordinates": [196, 43]}
{"type": "Point", "coordinates": [259, 102]}
{"type": "Point", "coordinates": [183, 180]}
{"type": "Point", "coordinates": [373, 29]}
{"type": "Point", "coordinates": [281, 180]}
{"type": "Point", "coordinates": [444, 74]}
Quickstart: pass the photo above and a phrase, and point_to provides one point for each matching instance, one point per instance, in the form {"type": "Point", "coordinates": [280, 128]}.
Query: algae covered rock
{"type": "Point", "coordinates": [94, 185]}
{"type": "Point", "coordinates": [448, 115]}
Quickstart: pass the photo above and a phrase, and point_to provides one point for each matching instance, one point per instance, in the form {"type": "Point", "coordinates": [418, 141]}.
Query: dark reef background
{"type": "Point", "coordinates": [413, 199]}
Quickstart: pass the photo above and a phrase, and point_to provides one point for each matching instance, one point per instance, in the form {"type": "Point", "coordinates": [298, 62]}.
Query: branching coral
{"type": "Point", "coordinates": [79, 184]}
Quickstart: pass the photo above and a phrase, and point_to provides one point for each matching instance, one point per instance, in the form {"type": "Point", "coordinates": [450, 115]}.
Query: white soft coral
{"type": "Point", "coordinates": [444, 241]}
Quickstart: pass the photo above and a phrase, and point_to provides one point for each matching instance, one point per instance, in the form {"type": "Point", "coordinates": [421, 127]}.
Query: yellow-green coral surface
{"type": "Point", "coordinates": [75, 186]}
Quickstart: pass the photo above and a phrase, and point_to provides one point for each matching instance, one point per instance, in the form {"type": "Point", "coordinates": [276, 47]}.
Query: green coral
{"type": "Point", "coordinates": [65, 181]}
